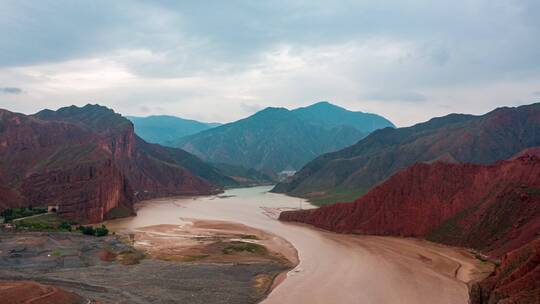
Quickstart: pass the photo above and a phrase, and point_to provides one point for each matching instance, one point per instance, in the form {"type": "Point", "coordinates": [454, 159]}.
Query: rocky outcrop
{"type": "Point", "coordinates": [89, 161]}
{"type": "Point", "coordinates": [497, 135]}
{"type": "Point", "coordinates": [516, 280]}
{"type": "Point", "coordinates": [490, 208]}
{"type": "Point", "coordinates": [494, 209]}
{"type": "Point", "coordinates": [58, 163]}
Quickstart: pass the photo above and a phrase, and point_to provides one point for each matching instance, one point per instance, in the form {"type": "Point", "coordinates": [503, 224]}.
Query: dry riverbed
{"type": "Point", "coordinates": [109, 270]}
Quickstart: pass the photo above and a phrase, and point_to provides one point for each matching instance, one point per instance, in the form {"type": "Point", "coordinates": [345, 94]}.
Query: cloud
{"type": "Point", "coordinates": [144, 109]}
{"type": "Point", "coordinates": [227, 61]}
{"type": "Point", "coordinates": [537, 93]}
{"type": "Point", "coordinates": [250, 108]}
{"type": "Point", "coordinates": [395, 96]}
{"type": "Point", "coordinates": [11, 90]}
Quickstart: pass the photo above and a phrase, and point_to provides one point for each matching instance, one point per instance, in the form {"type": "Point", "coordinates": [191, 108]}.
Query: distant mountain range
{"type": "Point", "coordinates": [165, 129]}
{"type": "Point", "coordinates": [277, 139]}
{"type": "Point", "coordinates": [347, 174]}
{"type": "Point", "coordinates": [90, 162]}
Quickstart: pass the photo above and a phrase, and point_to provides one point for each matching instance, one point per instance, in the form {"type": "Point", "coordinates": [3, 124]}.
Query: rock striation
{"type": "Point", "coordinates": [494, 209]}
{"type": "Point", "coordinates": [89, 161]}
{"type": "Point", "coordinates": [485, 139]}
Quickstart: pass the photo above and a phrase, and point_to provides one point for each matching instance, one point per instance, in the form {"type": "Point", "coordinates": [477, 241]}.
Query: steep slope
{"type": "Point", "coordinates": [276, 139]}
{"type": "Point", "coordinates": [89, 161]}
{"type": "Point", "coordinates": [331, 116]}
{"type": "Point", "coordinates": [165, 130]}
{"type": "Point", "coordinates": [482, 139]}
{"type": "Point", "coordinates": [57, 163]}
{"type": "Point", "coordinates": [244, 176]}
{"type": "Point", "coordinates": [492, 208]}
{"type": "Point", "coordinates": [516, 280]}
{"type": "Point", "coordinates": [152, 170]}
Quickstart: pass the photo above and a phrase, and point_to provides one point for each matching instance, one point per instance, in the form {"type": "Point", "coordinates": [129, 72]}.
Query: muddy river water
{"type": "Point", "coordinates": [332, 268]}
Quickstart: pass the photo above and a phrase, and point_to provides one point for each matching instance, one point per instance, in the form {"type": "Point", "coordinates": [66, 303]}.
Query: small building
{"type": "Point", "coordinates": [53, 208]}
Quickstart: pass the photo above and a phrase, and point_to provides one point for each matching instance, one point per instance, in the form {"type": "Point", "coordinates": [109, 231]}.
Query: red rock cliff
{"type": "Point", "coordinates": [150, 172]}
{"type": "Point", "coordinates": [87, 160]}
{"type": "Point", "coordinates": [516, 280]}
{"type": "Point", "coordinates": [492, 208]}
{"type": "Point", "coordinates": [495, 209]}
{"type": "Point", "coordinates": [57, 163]}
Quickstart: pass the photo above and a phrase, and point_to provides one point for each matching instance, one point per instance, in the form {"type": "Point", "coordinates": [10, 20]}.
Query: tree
{"type": "Point", "coordinates": [102, 231]}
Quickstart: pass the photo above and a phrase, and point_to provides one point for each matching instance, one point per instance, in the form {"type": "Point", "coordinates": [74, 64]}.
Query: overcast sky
{"type": "Point", "coordinates": [224, 60]}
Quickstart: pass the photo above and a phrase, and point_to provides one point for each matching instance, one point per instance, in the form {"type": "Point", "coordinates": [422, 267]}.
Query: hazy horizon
{"type": "Point", "coordinates": [405, 60]}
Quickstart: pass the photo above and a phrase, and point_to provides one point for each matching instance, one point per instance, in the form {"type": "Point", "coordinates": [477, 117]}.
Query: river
{"type": "Point", "coordinates": [333, 268]}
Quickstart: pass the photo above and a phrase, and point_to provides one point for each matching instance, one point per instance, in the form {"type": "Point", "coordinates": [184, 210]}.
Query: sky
{"type": "Point", "coordinates": [219, 61]}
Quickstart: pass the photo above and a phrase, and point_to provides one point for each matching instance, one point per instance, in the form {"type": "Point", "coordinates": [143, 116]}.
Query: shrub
{"type": "Point", "coordinates": [102, 231]}
{"type": "Point", "coordinates": [88, 230]}
{"type": "Point", "coordinates": [65, 226]}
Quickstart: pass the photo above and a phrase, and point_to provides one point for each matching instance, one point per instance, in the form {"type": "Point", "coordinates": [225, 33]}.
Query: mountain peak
{"type": "Point", "coordinates": [270, 112]}
{"type": "Point", "coordinates": [324, 104]}
{"type": "Point", "coordinates": [92, 116]}
{"type": "Point", "coordinates": [330, 115]}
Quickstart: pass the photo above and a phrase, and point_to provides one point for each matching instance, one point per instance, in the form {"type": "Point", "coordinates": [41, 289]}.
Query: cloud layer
{"type": "Point", "coordinates": [408, 60]}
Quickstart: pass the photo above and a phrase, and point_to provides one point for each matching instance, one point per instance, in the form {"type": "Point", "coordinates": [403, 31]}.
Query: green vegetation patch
{"type": "Point", "coordinates": [11, 214]}
{"type": "Point", "coordinates": [337, 196]}
{"type": "Point", "coordinates": [244, 247]}
{"type": "Point", "coordinates": [43, 222]}
{"type": "Point", "coordinates": [98, 231]}
{"type": "Point", "coordinates": [56, 253]}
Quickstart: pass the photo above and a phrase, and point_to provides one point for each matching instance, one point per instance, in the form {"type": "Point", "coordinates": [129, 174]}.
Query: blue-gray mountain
{"type": "Point", "coordinates": [277, 139]}
{"type": "Point", "coordinates": [347, 174]}
{"type": "Point", "coordinates": [165, 129]}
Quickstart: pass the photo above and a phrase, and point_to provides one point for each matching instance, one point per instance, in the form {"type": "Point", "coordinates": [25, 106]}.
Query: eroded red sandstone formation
{"type": "Point", "coordinates": [495, 209]}
{"type": "Point", "coordinates": [87, 160]}
{"type": "Point", "coordinates": [516, 280]}
{"type": "Point", "coordinates": [492, 208]}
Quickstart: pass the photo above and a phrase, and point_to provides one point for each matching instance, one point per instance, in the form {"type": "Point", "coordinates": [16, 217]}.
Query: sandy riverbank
{"type": "Point", "coordinates": [332, 268]}
{"type": "Point", "coordinates": [206, 241]}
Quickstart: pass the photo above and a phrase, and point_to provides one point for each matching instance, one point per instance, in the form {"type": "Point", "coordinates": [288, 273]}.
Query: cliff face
{"type": "Point", "coordinates": [485, 139]}
{"type": "Point", "coordinates": [57, 163]}
{"type": "Point", "coordinates": [494, 209]}
{"type": "Point", "coordinates": [150, 171]}
{"type": "Point", "coordinates": [86, 192]}
{"type": "Point", "coordinates": [491, 208]}
{"type": "Point", "coordinates": [516, 280]}
{"type": "Point", "coordinates": [89, 161]}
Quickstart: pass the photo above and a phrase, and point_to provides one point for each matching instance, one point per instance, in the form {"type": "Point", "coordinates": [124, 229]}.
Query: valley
{"type": "Point", "coordinates": [333, 267]}
{"type": "Point", "coordinates": [270, 152]}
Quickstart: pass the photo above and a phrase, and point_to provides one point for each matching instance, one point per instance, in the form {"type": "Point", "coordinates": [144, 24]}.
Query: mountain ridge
{"type": "Point", "coordinates": [89, 160]}
{"type": "Point", "coordinates": [276, 139]}
{"type": "Point", "coordinates": [481, 139]}
{"type": "Point", "coordinates": [165, 129]}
